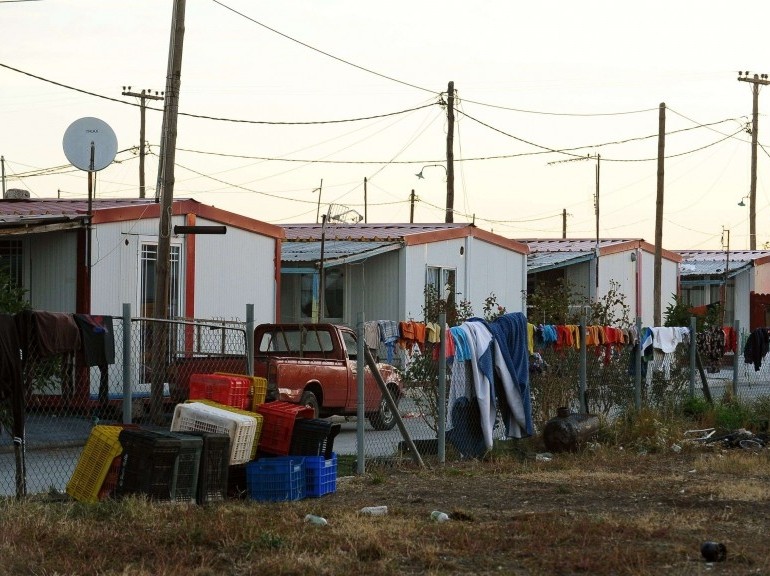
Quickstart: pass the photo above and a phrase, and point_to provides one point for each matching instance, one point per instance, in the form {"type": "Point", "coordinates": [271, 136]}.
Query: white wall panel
{"type": "Point", "coordinates": [52, 265]}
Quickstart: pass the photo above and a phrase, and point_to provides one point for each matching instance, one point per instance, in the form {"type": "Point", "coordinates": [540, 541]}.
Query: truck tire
{"type": "Point", "coordinates": [309, 399]}
{"type": "Point", "coordinates": [384, 419]}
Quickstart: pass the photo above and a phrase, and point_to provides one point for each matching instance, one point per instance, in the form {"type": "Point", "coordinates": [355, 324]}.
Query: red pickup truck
{"type": "Point", "coordinates": [310, 364]}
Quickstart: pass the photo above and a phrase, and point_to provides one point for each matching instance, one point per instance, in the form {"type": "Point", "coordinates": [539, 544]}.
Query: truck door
{"type": "Point", "coordinates": [371, 390]}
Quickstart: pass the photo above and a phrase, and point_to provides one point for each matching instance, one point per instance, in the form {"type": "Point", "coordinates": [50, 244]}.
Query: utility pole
{"type": "Point", "coordinates": [165, 193]}
{"type": "Point", "coordinates": [564, 223]}
{"type": "Point", "coordinates": [450, 170]}
{"type": "Point", "coordinates": [755, 81]}
{"type": "Point", "coordinates": [727, 270]}
{"type": "Point", "coordinates": [365, 203]}
{"type": "Point", "coordinates": [2, 162]}
{"type": "Point", "coordinates": [318, 207]}
{"type": "Point", "coordinates": [657, 318]}
{"type": "Point", "coordinates": [143, 96]}
{"type": "Point", "coordinates": [411, 207]}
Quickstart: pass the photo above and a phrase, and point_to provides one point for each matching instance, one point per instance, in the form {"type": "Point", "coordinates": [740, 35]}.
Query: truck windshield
{"type": "Point", "coordinates": [296, 340]}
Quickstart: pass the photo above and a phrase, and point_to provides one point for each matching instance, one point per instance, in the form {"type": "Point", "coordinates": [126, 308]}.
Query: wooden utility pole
{"type": "Point", "coordinates": [143, 96]}
{"type": "Point", "coordinates": [450, 170]}
{"type": "Point", "coordinates": [318, 207]}
{"type": "Point", "coordinates": [411, 207]}
{"type": "Point", "coordinates": [365, 203]}
{"type": "Point", "coordinates": [564, 223]}
{"type": "Point", "coordinates": [165, 192]}
{"type": "Point", "coordinates": [657, 318]}
{"type": "Point", "coordinates": [755, 81]}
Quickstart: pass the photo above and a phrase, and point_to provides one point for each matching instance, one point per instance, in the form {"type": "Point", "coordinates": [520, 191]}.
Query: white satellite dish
{"type": "Point", "coordinates": [90, 144]}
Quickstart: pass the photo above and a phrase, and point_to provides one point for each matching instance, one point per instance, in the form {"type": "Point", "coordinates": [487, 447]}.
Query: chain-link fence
{"type": "Point", "coordinates": [66, 397]}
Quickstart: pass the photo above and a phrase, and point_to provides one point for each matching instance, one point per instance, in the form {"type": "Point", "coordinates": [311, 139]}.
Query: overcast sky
{"type": "Point", "coordinates": [261, 81]}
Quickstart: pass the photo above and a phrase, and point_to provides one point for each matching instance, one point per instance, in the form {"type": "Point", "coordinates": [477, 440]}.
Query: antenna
{"type": "Point", "coordinates": [90, 144]}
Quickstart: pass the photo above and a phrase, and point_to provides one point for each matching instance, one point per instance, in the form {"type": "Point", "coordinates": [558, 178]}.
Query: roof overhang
{"type": "Point", "coordinates": [335, 252]}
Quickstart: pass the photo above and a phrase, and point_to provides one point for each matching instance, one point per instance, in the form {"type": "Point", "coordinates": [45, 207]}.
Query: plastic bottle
{"type": "Point", "coordinates": [438, 516]}
{"type": "Point", "coordinates": [374, 510]}
{"type": "Point", "coordinates": [318, 520]}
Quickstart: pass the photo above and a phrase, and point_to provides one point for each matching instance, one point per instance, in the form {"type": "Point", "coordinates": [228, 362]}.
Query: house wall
{"type": "Point", "coordinates": [232, 270]}
{"type": "Point", "coordinates": [495, 270]}
{"type": "Point", "coordinates": [444, 254]}
{"type": "Point", "coordinates": [618, 268]}
{"type": "Point", "coordinates": [51, 271]}
{"type": "Point", "coordinates": [668, 286]}
{"type": "Point", "coordinates": [762, 279]}
{"type": "Point", "coordinates": [741, 298]}
{"type": "Point", "coordinates": [579, 277]}
{"type": "Point", "coordinates": [372, 286]}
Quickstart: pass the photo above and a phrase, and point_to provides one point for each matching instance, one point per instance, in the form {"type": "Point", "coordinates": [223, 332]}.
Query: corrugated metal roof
{"type": "Point", "coordinates": [357, 232]}
{"type": "Point", "coordinates": [735, 255]}
{"type": "Point", "coordinates": [571, 244]}
{"type": "Point", "coordinates": [542, 261]}
{"type": "Point", "coordinates": [10, 209]}
{"type": "Point", "coordinates": [335, 251]}
{"type": "Point", "coordinates": [713, 262]}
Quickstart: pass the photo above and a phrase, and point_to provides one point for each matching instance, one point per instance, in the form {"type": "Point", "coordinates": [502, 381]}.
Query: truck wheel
{"type": "Point", "coordinates": [309, 399]}
{"type": "Point", "coordinates": [384, 418]}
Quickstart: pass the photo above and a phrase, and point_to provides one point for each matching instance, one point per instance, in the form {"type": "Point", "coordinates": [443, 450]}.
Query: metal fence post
{"type": "Point", "coordinates": [360, 372]}
{"type": "Point", "coordinates": [693, 348]}
{"type": "Point", "coordinates": [250, 339]}
{"type": "Point", "coordinates": [441, 400]}
{"type": "Point", "coordinates": [127, 396]}
{"type": "Point", "coordinates": [583, 367]}
{"type": "Point", "coordinates": [737, 328]}
{"type": "Point", "coordinates": [638, 370]}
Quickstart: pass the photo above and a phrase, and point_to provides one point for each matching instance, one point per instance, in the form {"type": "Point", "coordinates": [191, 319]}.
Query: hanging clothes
{"type": "Point", "coordinates": [756, 347]}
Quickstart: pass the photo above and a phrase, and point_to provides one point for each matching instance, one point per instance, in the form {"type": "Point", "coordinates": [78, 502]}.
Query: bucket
{"type": "Point", "coordinates": [568, 431]}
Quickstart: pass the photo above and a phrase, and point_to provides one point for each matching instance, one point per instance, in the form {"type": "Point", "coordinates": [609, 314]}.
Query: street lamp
{"type": "Point", "coordinates": [421, 177]}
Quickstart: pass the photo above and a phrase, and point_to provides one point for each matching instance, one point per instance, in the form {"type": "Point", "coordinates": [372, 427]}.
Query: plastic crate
{"type": "Point", "coordinates": [258, 388]}
{"type": "Point", "coordinates": [249, 413]}
{"type": "Point", "coordinates": [240, 428]}
{"type": "Point", "coordinates": [214, 468]}
{"type": "Point", "coordinates": [237, 486]}
{"type": "Point", "coordinates": [229, 389]}
{"type": "Point", "coordinates": [278, 426]}
{"type": "Point", "coordinates": [99, 454]}
{"type": "Point", "coordinates": [320, 475]}
{"type": "Point", "coordinates": [148, 465]}
{"type": "Point", "coordinates": [184, 483]}
{"type": "Point", "coordinates": [276, 479]}
{"type": "Point", "coordinates": [313, 437]}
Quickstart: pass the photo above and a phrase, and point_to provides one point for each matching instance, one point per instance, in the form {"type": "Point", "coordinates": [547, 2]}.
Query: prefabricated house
{"type": "Point", "coordinates": [592, 267]}
{"type": "Point", "coordinates": [75, 256]}
{"type": "Point", "coordinates": [738, 280]}
{"type": "Point", "coordinates": [382, 270]}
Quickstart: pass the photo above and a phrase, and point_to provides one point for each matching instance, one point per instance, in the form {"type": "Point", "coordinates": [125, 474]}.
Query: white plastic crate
{"type": "Point", "coordinates": [240, 427]}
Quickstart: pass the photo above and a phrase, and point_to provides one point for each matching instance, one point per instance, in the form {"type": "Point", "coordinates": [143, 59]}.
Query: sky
{"type": "Point", "coordinates": [288, 108]}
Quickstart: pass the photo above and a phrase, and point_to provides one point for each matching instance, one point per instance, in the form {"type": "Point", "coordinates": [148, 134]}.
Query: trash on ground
{"type": "Point", "coordinates": [438, 516]}
{"type": "Point", "coordinates": [713, 551]}
{"type": "Point", "coordinates": [317, 520]}
{"type": "Point", "coordinates": [374, 510]}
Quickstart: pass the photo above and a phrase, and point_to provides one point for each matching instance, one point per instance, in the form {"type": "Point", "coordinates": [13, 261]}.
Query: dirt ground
{"type": "Point", "coordinates": [612, 511]}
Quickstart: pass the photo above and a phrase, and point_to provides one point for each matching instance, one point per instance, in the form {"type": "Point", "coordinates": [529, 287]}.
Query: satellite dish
{"type": "Point", "coordinates": [90, 144]}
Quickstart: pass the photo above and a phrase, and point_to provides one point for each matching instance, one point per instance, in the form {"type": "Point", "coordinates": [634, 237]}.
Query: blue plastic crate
{"type": "Point", "coordinates": [276, 479]}
{"type": "Point", "coordinates": [320, 475]}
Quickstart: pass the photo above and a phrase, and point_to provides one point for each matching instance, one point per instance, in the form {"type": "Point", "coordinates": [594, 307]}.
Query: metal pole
{"type": "Point", "coordinates": [583, 367]}
{"type": "Point", "coordinates": [127, 399]}
{"type": "Point", "coordinates": [360, 417]}
{"type": "Point", "coordinates": [638, 371]}
{"type": "Point", "coordinates": [737, 328]}
{"type": "Point", "coordinates": [250, 339]}
{"type": "Point", "coordinates": [693, 348]}
{"type": "Point", "coordinates": [441, 400]}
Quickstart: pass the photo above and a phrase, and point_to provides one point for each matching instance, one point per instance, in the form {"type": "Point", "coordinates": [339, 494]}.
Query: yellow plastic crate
{"type": "Point", "coordinates": [101, 448]}
{"type": "Point", "coordinates": [258, 388]}
{"type": "Point", "coordinates": [233, 409]}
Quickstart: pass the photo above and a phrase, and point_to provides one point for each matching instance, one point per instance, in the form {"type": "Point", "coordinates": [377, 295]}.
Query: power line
{"type": "Point", "coordinates": [218, 118]}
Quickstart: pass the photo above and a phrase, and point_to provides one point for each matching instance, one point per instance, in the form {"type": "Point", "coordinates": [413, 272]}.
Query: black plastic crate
{"type": "Point", "coordinates": [237, 485]}
{"type": "Point", "coordinates": [148, 463]}
{"type": "Point", "coordinates": [214, 467]}
{"type": "Point", "coordinates": [313, 437]}
{"type": "Point", "coordinates": [184, 484]}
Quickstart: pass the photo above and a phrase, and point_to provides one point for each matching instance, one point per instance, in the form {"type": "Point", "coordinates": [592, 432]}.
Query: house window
{"type": "Point", "coordinates": [440, 285]}
{"type": "Point", "coordinates": [147, 260]}
{"type": "Point", "coordinates": [334, 296]}
{"type": "Point", "coordinates": [10, 260]}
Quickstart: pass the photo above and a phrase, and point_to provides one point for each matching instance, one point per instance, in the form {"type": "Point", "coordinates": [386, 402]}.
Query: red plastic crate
{"type": "Point", "coordinates": [229, 389]}
{"type": "Point", "coordinates": [278, 425]}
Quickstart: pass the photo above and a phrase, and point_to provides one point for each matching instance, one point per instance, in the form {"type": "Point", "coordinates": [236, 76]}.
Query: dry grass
{"type": "Point", "coordinates": [606, 511]}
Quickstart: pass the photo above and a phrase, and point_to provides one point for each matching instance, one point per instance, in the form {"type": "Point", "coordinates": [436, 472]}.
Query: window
{"type": "Point", "coordinates": [442, 283]}
{"type": "Point", "coordinates": [10, 260]}
{"type": "Point", "coordinates": [147, 260]}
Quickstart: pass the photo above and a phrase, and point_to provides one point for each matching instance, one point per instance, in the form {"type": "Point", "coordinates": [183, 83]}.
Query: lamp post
{"type": "Point", "coordinates": [742, 203]}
